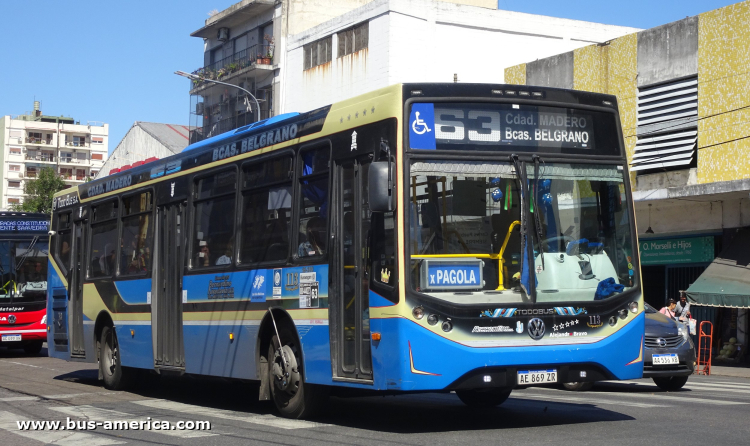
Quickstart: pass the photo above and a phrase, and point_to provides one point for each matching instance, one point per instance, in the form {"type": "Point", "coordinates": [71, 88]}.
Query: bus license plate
{"type": "Point", "coordinates": [526, 377]}
{"type": "Point", "coordinates": [10, 338]}
{"type": "Point", "coordinates": [665, 359]}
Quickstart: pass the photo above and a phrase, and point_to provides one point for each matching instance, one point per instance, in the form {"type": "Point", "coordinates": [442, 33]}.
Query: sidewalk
{"type": "Point", "coordinates": [737, 372]}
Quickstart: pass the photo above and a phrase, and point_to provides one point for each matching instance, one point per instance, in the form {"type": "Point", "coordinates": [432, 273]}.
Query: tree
{"type": "Point", "coordinates": [39, 192]}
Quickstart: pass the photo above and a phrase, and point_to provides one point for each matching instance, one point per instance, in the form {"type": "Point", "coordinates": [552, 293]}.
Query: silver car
{"type": "Point", "coordinates": [668, 356]}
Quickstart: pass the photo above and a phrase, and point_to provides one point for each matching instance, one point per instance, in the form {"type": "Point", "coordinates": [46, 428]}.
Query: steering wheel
{"type": "Point", "coordinates": [554, 241]}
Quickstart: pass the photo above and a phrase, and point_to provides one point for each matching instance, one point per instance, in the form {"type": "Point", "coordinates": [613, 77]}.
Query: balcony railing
{"type": "Point", "coordinates": [43, 158]}
{"type": "Point", "coordinates": [31, 174]}
{"type": "Point", "coordinates": [76, 144]}
{"type": "Point", "coordinates": [74, 160]}
{"type": "Point", "coordinates": [225, 125]}
{"type": "Point", "coordinates": [38, 140]}
{"type": "Point", "coordinates": [255, 55]}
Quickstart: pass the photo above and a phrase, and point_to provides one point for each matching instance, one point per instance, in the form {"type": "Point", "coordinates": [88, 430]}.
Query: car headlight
{"type": "Point", "coordinates": [682, 331]}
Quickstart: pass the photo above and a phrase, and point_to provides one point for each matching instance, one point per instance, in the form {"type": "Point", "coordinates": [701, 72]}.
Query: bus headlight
{"type": "Point", "coordinates": [447, 326]}
{"type": "Point", "coordinates": [44, 320]}
{"type": "Point", "coordinates": [633, 306]}
{"type": "Point", "coordinates": [432, 319]}
{"type": "Point", "coordinates": [418, 313]}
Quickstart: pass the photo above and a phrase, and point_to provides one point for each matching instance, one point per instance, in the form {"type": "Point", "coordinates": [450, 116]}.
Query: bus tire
{"type": "Point", "coordinates": [671, 382]}
{"type": "Point", "coordinates": [116, 377]}
{"type": "Point", "coordinates": [292, 397]}
{"type": "Point", "coordinates": [33, 347]}
{"type": "Point", "coordinates": [483, 399]}
{"type": "Point", "coordinates": [578, 386]}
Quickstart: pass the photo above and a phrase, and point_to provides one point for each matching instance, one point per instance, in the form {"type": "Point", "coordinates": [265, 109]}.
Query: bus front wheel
{"type": "Point", "coordinates": [483, 399]}
{"type": "Point", "coordinates": [116, 377]}
{"type": "Point", "coordinates": [292, 396]}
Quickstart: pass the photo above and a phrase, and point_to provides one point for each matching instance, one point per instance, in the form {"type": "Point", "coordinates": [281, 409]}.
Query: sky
{"type": "Point", "coordinates": [113, 61]}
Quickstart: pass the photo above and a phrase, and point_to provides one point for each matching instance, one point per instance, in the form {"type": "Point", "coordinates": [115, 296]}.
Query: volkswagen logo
{"type": "Point", "coordinates": [662, 342]}
{"type": "Point", "coordinates": [536, 328]}
{"type": "Point", "coordinates": [12, 319]}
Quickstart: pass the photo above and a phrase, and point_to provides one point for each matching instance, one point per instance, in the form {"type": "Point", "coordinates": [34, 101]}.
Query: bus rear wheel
{"type": "Point", "coordinates": [292, 397]}
{"type": "Point", "coordinates": [116, 377]}
{"type": "Point", "coordinates": [483, 399]}
{"type": "Point", "coordinates": [33, 347]}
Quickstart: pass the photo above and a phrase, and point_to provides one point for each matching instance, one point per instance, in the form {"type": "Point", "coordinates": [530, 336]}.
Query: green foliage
{"type": "Point", "coordinates": [40, 191]}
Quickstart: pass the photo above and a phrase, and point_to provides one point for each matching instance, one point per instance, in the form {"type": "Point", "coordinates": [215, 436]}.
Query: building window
{"type": "Point", "coordinates": [14, 184]}
{"type": "Point", "coordinates": [317, 53]}
{"type": "Point", "coordinates": [15, 150]}
{"type": "Point", "coordinates": [93, 173]}
{"type": "Point", "coordinates": [667, 130]}
{"type": "Point", "coordinates": [14, 201]}
{"type": "Point", "coordinates": [97, 140]}
{"type": "Point", "coordinates": [96, 156]}
{"type": "Point", "coordinates": [75, 141]}
{"type": "Point", "coordinates": [353, 39]}
{"type": "Point", "coordinates": [14, 168]}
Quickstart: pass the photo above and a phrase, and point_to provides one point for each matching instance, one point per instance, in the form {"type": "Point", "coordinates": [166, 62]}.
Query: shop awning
{"type": "Point", "coordinates": [726, 281]}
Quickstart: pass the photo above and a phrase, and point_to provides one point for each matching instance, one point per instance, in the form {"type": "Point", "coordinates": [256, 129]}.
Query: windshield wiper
{"type": "Point", "coordinates": [535, 207]}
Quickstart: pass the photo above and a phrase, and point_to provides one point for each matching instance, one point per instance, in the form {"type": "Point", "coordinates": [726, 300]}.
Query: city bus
{"type": "Point", "coordinates": [463, 238]}
{"type": "Point", "coordinates": [23, 277]}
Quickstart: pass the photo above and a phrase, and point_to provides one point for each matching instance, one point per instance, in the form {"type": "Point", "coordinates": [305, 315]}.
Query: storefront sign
{"type": "Point", "coordinates": [677, 250]}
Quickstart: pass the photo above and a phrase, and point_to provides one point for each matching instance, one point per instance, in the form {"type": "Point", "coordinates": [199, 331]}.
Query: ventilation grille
{"type": "Point", "coordinates": [667, 132]}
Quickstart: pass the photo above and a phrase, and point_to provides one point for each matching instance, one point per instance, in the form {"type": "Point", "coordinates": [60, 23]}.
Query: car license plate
{"type": "Point", "coordinates": [665, 359]}
{"type": "Point", "coordinates": [9, 338]}
{"type": "Point", "coordinates": [526, 377]}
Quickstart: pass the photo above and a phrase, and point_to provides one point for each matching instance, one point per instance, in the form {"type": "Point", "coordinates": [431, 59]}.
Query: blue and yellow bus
{"type": "Point", "coordinates": [418, 238]}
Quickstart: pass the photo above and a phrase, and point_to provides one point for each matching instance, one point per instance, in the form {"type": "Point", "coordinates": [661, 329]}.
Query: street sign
{"type": "Point", "coordinates": [677, 250]}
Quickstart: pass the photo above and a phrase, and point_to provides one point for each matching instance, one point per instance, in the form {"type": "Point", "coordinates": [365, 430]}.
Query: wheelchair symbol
{"type": "Point", "coordinates": [419, 124]}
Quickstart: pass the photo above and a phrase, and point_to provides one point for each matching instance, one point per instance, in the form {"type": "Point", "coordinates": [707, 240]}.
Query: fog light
{"type": "Point", "coordinates": [487, 378]}
{"type": "Point", "coordinates": [633, 306]}
{"type": "Point", "coordinates": [613, 321]}
{"type": "Point", "coordinates": [623, 313]}
{"type": "Point", "coordinates": [418, 313]}
{"type": "Point", "coordinates": [583, 374]}
{"type": "Point", "coordinates": [447, 326]}
{"type": "Point", "coordinates": [432, 319]}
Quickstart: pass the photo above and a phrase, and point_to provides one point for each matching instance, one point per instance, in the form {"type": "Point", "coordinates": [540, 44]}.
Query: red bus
{"type": "Point", "coordinates": [23, 280]}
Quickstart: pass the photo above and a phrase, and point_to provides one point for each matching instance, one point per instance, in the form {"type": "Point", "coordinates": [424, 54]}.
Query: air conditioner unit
{"type": "Point", "coordinates": [223, 34]}
{"type": "Point", "coordinates": [199, 108]}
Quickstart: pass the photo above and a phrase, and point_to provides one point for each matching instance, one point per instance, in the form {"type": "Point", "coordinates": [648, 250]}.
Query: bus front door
{"type": "Point", "coordinates": [351, 275]}
{"type": "Point", "coordinates": [166, 308]}
{"type": "Point", "coordinates": [75, 285]}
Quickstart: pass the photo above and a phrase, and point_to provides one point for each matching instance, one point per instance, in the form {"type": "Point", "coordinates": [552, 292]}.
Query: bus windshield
{"type": "Point", "coordinates": [465, 232]}
{"type": "Point", "coordinates": [23, 265]}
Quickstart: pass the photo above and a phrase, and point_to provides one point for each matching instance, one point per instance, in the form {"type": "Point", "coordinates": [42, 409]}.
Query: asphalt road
{"type": "Point", "coordinates": [709, 410]}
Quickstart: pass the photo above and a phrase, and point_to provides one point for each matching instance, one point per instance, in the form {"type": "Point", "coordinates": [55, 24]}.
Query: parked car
{"type": "Point", "coordinates": [668, 356]}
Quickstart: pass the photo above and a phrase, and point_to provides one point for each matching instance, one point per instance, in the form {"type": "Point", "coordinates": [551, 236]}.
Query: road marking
{"type": "Point", "coordinates": [96, 414]}
{"type": "Point", "coordinates": [21, 363]}
{"type": "Point", "coordinates": [62, 438]}
{"type": "Point", "coordinates": [19, 398]}
{"type": "Point", "coordinates": [658, 395]}
{"type": "Point", "coordinates": [75, 395]}
{"type": "Point", "coordinates": [265, 420]}
{"type": "Point", "coordinates": [725, 387]}
{"type": "Point", "coordinates": [595, 402]}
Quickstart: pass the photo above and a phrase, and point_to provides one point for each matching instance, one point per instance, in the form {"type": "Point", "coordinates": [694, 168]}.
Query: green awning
{"type": "Point", "coordinates": [726, 281]}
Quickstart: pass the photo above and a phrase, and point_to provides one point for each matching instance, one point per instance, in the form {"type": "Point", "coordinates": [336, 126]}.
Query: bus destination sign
{"type": "Point", "coordinates": [476, 126]}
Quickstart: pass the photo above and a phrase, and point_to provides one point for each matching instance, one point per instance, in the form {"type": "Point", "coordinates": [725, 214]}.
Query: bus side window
{"type": "Point", "coordinates": [103, 254]}
{"type": "Point", "coordinates": [313, 202]}
{"type": "Point", "coordinates": [266, 210]}
{"type": "Point", "coordinates": [63, 240]}
{"type": "Point", "coordinates": [135, 254]}
{"type": "Point", "coordinates": [213, 236]}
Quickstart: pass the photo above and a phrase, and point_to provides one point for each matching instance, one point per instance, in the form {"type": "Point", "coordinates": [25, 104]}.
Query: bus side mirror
{"type": "Point", "coordinates": [380, 187]}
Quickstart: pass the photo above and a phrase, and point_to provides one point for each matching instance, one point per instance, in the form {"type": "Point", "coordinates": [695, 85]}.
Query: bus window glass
{"type": "Point", "coordinates": [63, 240]}
{"type": "Point", "coordinates": [135, 254]}
{"type": "Point", "coordinates": [266, 211]}
{"type": "Point", "coordinates": [105, 211]}
{"type": "Point", "coordinates": [460, 208]}
{"type": "Point", "coordinates": [30, 259]}
{"type": "Point", "coordinates": [313, 211]}
{"type": "Point", "coordinates": [213, 236]}
{"type": "Point", "coordinates": [103, 249]}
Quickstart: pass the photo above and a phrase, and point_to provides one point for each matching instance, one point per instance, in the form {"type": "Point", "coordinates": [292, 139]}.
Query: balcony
{"type": "Point", "coordinates": [66, 160]}
{"type": "Point", "coordinates": [44, 158]}
{"type": "Point", "coordinates": [225, 125]}
{"type": "Point", "coordinates": [77, 144]}
{"type": "Point", "coordinates": [39, 141]}
{"type": "Point", "coordinates": [257, 57]}
{"type": "Point", "coordinates": [31, 174]}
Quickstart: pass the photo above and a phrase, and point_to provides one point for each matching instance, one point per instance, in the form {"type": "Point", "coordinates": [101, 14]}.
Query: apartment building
{"type": "Point", "coordinates": [33, 141]}
{"type": "Point", "coordinates": [683, 91]}
{"type": "Point", "coordinates": [299, 55]}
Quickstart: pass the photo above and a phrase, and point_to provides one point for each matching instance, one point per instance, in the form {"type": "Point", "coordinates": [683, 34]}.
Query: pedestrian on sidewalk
{"type": "Point", "coordinates": [669, 309]}
{"type": "Point", "coordinates": [682, 310]}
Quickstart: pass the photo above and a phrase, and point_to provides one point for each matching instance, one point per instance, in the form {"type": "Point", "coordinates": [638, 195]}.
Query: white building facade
{"type": "Point", "coordinates": [29, 143]}
{"type": "Point", "coordinates": [299, 55]}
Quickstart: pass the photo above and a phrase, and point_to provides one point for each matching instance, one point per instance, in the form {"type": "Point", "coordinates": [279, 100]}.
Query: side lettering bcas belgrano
{"type": "Point", "coordinates": [453, 277]}
{"type": "Point", "coordinates": [255, 142]}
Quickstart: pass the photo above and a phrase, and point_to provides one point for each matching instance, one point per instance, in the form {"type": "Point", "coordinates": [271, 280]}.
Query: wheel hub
{"type": "Point", "coordinates": [285, 369]}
